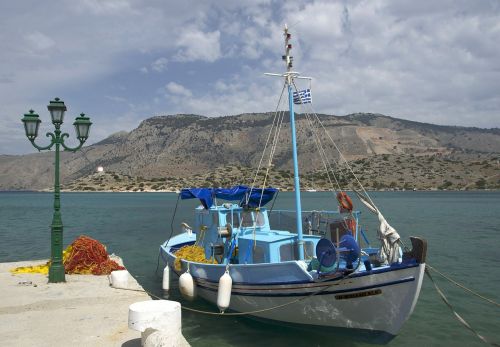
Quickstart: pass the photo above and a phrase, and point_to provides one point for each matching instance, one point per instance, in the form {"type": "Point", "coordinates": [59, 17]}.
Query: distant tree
{"type": "Point", "coordinates": [446, 184]}
{"type": "Point", "coordinates": [481, 183]}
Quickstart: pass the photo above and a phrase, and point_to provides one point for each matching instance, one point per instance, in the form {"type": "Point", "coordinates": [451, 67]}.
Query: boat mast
{"type": "Point", "coordinates": [289, 80]}
{"type": "Point", "coordinates": [290, 76]}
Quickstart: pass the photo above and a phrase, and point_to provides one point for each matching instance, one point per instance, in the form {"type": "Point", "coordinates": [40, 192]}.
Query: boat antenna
{"type": "Point", "coordinates": [288, 47]}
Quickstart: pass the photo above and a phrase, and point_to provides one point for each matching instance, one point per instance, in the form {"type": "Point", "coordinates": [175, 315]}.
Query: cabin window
{"type": "Point", "coordinates": [247, 219]}
{"type": "Point", "coordinates": [236, 220]}
{"type": "Point", "coordinates": [260, 220]}
{"type": "Point", "coordinates": [232, 218]}
{"type": "Point", "coordinates": [259, 255]}
{"type": "Point", "coordinates": [287, 252]}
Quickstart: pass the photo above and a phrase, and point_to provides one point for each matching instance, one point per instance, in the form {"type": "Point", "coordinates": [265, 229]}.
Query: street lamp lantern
{"type": "Point", "coordinates": [82, 126]}
{"type": "Point", "coordinates": [57, 109]}
{"type": "Point", "coordinates": [31, 124]}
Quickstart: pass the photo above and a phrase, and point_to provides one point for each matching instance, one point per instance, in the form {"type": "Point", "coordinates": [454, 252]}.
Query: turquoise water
{"type": "Point", "coordinates": [462, 229]}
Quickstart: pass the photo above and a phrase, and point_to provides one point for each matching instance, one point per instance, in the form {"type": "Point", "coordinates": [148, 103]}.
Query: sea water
{"type": "Point", "coordinates": [462, 229]}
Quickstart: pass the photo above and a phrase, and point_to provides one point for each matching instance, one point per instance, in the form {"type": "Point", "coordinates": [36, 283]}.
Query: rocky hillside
{"type": "Point", "coordinates": [379, 172]}
{"type": "Point", "coordinates": [190, 148]}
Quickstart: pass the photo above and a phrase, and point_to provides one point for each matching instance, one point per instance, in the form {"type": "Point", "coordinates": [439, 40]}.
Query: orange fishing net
{"type": "Point", "coordinates": [84, 256]}
{"type": "Point", "coordinates": [89, 256]}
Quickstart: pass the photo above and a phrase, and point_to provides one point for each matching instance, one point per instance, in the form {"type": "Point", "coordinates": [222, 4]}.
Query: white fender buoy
{"type": "Point", "coordinates": [224, 292]}
{"type": "Point", "coordinates": [187, 286]}
{"type": "Point", "coordinates": [166, 278]}
{"type": "Point", "coordinates": [119, 279]}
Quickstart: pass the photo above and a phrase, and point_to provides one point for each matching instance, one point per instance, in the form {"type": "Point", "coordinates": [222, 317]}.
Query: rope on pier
{"type": "Point", "coordinates": [459, 318]}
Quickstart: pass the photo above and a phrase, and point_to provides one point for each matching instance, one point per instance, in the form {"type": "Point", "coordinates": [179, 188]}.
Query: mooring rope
{"type": "Point", "coordinates": [173, 217]}
{"type": "Point", "coordinates": [158, 263]}
{"type": "Point", "coordinates": [248, 312]}
{"type": "Point", "coordinates": [427, 268]}
{"type": "Point", "coordinates": [459, 318]}
{"type": "Point", "coordinates": [464, 287]}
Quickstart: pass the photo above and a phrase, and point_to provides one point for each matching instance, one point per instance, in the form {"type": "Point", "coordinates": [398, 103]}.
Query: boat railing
{"type": "Point", "coordinates": [314, 222]}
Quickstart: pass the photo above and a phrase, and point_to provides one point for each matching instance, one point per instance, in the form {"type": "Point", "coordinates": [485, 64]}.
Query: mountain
{"type": "Point", "coordinates": [184, 145]}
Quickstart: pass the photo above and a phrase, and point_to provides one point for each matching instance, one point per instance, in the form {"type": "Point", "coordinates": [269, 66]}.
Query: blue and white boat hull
{"type": "Point", "coordinates": [379, 301]}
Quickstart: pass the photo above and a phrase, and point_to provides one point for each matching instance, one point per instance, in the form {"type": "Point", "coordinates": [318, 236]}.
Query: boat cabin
{"type": "Point", "coordinates": [230, 233]}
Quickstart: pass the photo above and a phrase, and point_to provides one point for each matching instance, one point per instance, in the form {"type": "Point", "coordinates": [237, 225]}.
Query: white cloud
{"type": "Point", "coordinates": [221, 86]}
{"type": "Point", "coordinates": [427, 61]}
{"type": "Point", "coordinates": [115, 98]}
{"type": "Point", "coordinates": [160, 64]}
{"type": "Point", "coordinates": [108, 7]}
{"type": "Point", "coordinates": [431, 64]}
{"type": "Point", "coordinates": [178, 90]}
{"type": "Point", "coordinates": [197, 45]}
{"type": "Point", "coordinates": [39, 41]}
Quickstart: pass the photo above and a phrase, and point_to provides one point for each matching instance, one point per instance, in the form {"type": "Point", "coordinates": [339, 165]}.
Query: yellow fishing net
{"type": "Point", "coordinates": [42, 268]}
{"type": "Point", "coordinates": [192, 253]}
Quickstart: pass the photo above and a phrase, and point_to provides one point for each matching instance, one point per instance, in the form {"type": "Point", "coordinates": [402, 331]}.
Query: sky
{"type": "Point", "coordinates": [122, 61]}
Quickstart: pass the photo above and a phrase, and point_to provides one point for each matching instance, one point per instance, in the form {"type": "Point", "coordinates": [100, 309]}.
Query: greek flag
{"type": "Point", "coordinates": [302, 97]}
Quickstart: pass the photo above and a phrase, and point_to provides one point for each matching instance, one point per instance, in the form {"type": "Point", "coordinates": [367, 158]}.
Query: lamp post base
{"type": "Point", "coordinates": [56, 273]}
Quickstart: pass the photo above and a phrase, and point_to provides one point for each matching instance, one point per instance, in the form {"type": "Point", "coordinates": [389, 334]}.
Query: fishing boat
{"type": "Point", "coordinates": [319, 270]}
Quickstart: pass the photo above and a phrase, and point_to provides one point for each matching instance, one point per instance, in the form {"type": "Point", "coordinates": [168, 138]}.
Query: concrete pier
{"type": "Point", "coordinates": [84, 311]}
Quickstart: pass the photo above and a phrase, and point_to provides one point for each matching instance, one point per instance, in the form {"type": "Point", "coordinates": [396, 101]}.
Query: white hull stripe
{"type": "Point", "coordinates": [306, 293]}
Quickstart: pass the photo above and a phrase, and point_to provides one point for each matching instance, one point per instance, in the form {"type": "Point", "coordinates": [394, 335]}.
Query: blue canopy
{"type": "Point", "coordinates": [246, 196]}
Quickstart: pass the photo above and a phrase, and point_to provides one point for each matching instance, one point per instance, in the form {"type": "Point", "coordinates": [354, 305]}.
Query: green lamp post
{"type": "Point", "coordinates": [82, 126]}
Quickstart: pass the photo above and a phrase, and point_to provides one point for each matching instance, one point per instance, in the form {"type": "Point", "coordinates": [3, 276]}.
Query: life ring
{"type": "Point", "coordinates": [345, 201]}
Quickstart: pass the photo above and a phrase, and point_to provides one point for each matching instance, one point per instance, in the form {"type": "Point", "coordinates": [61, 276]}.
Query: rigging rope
{"type": "Point", "coordinates": [342, 156]}
{"type": "Point", "coordinates": [344, 176]}
{"type": "Point", "coordinates": [323, 155]}
{"type": "Point", "coordinates": [267, 143]}
{"type": "Point", "coordinates": [272, 152]}
{"type": "Point", "coordinates": [321, 149]}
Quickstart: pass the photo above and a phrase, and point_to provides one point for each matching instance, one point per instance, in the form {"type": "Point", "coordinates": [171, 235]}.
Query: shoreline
{"type": "Point", "coordinates": [281, 191]}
